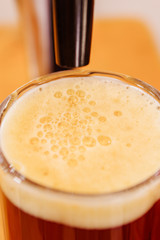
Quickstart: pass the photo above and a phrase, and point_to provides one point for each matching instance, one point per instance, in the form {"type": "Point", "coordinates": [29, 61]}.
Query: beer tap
{"type": "Point", "coordinates": [72, 30]}
{"type": "Point", "coordinates": [58, 34]}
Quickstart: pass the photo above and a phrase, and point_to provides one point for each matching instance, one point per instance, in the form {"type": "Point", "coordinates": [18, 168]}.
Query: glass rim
{"type": "Point", "coordinates": [7, 103]}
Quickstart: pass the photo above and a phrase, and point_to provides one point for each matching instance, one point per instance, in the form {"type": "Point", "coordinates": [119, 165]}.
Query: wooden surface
{"type": "Point", "coordinates": [124, 46]}
{"type": "Point", "coordinates": [13, 62]}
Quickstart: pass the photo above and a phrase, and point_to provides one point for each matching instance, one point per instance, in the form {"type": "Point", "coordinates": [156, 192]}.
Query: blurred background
{"type": "Point", "coordinates": [126, 39]}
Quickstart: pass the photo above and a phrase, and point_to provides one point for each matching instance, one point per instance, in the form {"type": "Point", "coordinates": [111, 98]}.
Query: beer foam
{"type": "Point", "coordinates": [88, 135]}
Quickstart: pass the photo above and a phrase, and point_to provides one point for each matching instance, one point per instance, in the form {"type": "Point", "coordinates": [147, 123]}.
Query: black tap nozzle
{"type": "Point", "coordinates": [72, 21]}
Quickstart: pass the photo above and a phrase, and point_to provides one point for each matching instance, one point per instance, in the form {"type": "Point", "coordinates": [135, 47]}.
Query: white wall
{"type": "Point", "coordinates": [8, 11]}
{"type": "Point", "coordinates": [147, 10]}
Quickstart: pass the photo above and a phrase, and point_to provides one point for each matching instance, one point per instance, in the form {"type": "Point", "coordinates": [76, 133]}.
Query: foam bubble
{"type": "Point", "coordinates": [94, 114]}
{"type": "Point", "coordinates": [58, 94]}
{"type": "Point", "coordinates": [49, 135]}
{"type": "Point", "coordinates": [117, 113]}
{"type": "Point", "coordinates": [72, 100]}
{"type": "Point", "coordinates": [75, 141]}
{"type": "Point", "coordinates": [43, 141]}
{"type": "Point", "coordinates": [86, 109]}
{"type": "Point", "coordinates": [67, 115]}
{"type": "Point", "coordinates": [63, 151]}
{"type": "Point", "coordinates": [92, 103]}
{"type": "Point", "coordinates": [40, 134]}
{"type": "Point", "coordinates": [102, 119]}
{"type": "Point", "coordinates": [63, 142]}
{"type": "Point", "coordinates": [72, 148]}
{"type": "Point", "coordinates": [82, 149]}
{"type": "Point", "coordinates": [47, 127]}
{"type": "Point", "coordinates": [89, 141]}
{"type": "Point", "coordinates": [80, 93]}
{"type": "Point", "coordinates": [54, 148]}
{"type": "Point", "coordinates": [104, 140]}
{"type": "Point", "coordinates": [34, 140]}
{"type": "Point", "coordinates": [128, 145]}
{"type": "Point", "coordinates": [46, 153]}
{"type": "Point", "coordinates": [70, 92]}
{"type": "Point", "coordinates": [89, 130]}
{"type": "Point", "coordinates": [45, 119]}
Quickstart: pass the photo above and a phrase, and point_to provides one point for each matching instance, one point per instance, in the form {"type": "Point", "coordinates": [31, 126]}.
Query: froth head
{"type": "Point", "coordinates": [73, 132]}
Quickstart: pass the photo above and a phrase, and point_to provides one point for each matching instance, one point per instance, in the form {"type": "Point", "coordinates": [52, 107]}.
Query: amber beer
{"type": "Point", "coordinates": [80, 159]}
{"type": "Point", "coordinates": [30, 227]}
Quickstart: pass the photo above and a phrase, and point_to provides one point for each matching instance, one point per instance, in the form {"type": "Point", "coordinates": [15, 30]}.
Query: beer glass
{"type": "Point", "coordinates": [33, 211]}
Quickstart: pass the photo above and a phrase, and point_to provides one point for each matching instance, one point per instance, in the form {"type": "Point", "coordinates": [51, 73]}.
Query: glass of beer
{"type": "Point", "coordinates": [80, 158]}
